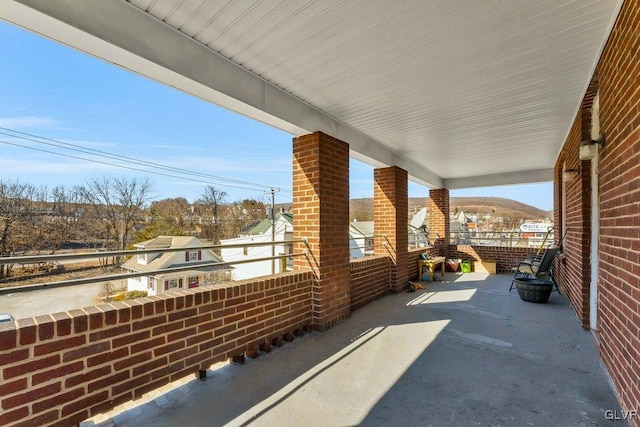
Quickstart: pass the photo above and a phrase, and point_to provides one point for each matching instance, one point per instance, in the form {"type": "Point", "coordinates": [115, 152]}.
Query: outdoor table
{"type": "Point", "coordinates": [431, 264]}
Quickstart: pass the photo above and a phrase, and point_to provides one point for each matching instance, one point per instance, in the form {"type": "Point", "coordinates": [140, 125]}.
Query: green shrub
{"type": "Point", "coordinates": [118, 297]}
{"type": "Point", "coordinates": [135, 294]}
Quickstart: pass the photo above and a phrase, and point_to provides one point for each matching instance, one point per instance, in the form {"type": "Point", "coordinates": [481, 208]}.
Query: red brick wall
{"type": "Point", "coordinates": [439, 220]}
{"type": "Point", "coordinates": [369, 280]}
{"type": "Point", "coordinates": [321, 215]}
{"type": "Point", "coordinates": [63, 368]}
{"type": "Point", "coordinates": [504, 257]}
{"type": "Point", "coordinates": [390, 216]}
{"type": "Point", "coordinates": [572, 271]}
{"type": "Point", "coordinates": [619, 191]}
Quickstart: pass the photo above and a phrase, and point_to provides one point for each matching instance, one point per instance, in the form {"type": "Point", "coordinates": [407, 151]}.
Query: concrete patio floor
{"type": "Point", "coordinates": [461, 352]}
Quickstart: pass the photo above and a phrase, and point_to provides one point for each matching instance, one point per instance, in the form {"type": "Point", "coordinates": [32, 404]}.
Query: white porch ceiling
{"type": "Point", "coordinates": [460, 93]}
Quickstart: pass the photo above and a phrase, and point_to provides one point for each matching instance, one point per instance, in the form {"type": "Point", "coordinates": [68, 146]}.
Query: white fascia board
{"type": "Point", "coordinates": [510, 178]}
{"type": "Point", "coordinates": [119, 33]}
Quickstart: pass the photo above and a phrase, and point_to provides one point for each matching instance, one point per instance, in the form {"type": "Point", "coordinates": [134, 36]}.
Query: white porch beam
{"type": "Point", "coordinates": [525, 177]}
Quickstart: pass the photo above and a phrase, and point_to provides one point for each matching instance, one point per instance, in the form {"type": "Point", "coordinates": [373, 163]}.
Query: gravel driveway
{"type": "Point", "coordinates": [48, 301]}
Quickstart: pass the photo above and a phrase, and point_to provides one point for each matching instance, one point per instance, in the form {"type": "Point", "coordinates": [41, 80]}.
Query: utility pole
{"type": "Point", "coordinates": [273, 192]}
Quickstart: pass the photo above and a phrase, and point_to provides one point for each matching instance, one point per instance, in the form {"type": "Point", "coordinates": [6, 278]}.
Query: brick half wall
{"type": "Point", "coordinates": [369, 280]}
{"type": "Point", "coordinates": [505, 258]}
{"type": "Point", "coordinates": [63, 368]}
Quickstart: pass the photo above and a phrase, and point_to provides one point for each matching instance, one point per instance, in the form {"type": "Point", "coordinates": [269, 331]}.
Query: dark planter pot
{"type": "Point", "coordinates": [534, 290]}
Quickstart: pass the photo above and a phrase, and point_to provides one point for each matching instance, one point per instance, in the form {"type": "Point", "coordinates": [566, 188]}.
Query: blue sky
{"type": "Point", "coordinates": [52, 91]}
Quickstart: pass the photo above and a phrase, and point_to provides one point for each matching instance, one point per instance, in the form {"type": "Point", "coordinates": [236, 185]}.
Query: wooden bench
{"type": "Point", "coordinates": [431, 264]}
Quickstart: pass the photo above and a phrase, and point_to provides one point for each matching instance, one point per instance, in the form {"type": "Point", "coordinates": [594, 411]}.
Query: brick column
{"type": "Point", "coordinates": [390, 217]}
{"type": "Point", "coordinates": [321, 215]}
{"type": "Point", "coordinates": [439, 220]}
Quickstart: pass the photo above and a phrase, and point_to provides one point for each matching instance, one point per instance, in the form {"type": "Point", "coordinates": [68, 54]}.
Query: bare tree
{"type": "Point", "coordinates": [60, 222]}
{"type": "Point", "coordinates": [16, 211]}
{"type": "Point", "coordinates": [241, 214]}
{"type": "Point", "coordinates": [32, 231]}
{"type": "Point", "coordinates": [208, 206]}
{"type": "Point", "coordinates": [88, 230]}
{"type": "Point", "coordinates": [116, 205]}
{"type": "Point", "coordinates": [170, 217]}
{"type": "Point", "coordinates": [175, 212]}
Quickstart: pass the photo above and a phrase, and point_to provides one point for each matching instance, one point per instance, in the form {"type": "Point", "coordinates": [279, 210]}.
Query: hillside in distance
{"type": "Point", "coordinates": [498, 206]}
{"type": "Point", "coordinates": [362, 209]}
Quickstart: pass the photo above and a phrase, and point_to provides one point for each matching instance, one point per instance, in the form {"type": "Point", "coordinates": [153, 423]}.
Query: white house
{"type": "Point", "coordinates": [361, 239]}
{"type": "Point", "coordinates": [158, 283]}
{"type": "Point", "coordinates": [361, 244]}
{"type": "Point", "coordinates": [260, 233]}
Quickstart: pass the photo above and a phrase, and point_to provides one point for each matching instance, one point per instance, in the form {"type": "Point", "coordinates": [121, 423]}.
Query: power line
{"type": "Point", "coordinates": [118, 157]}
{"type": "Point", "coordinates": [125, 159]}
{"type": "Point", "coordinates": [126, 167]}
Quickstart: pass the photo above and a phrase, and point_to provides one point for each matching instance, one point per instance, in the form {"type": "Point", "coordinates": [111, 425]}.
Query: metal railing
{"type": "Point", "coordinates": [415, 240]}
{"type": "Point", "coordinates": [8, 287]}
{"type": "Point", "coordinates": [511, 239]}
{"type": "Point", "coordinates": [422, 239]}
{"type": "Point", "coordinates": [198, 266]}
{"type": "Point", "coordinates": [368, 247]}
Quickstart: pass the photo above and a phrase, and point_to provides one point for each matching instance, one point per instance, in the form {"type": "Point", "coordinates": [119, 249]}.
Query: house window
{"type": "Point", "coordinates": [368, 244]}
{"type": "Point", "coordinates": [245, 251]}
{"type": "Point", "coordinates": [193, 281]}
{"type": "Point", "coordinates": [172, 284]}
{"type": "Point", "coordinates": [192, 256]}
{"type": "Point", "coordinates": [151, 283]}
{"type": "Point", "coordinates": [141, 258]}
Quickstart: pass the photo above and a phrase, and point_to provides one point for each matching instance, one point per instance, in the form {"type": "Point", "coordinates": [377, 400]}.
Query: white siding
{"type": "Point", "coordinates": [138, 284]}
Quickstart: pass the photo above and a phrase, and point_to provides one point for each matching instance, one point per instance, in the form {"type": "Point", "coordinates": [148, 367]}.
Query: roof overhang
{"type": "Point", "coordinates": [419, 85]}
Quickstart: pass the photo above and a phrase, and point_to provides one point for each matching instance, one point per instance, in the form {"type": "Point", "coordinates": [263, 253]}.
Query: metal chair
{"type": "Point", "coordinates": [537, 268]}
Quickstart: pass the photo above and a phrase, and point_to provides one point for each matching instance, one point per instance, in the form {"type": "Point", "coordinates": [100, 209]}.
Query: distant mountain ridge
{"type": "Point", "coordinates": [495, 206]}
{"type": "Point", "coordinates": [362, 209]}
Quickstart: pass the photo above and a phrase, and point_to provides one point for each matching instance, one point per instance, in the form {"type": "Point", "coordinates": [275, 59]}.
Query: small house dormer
{"type": "Point", "coordinates": [145, 259]}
